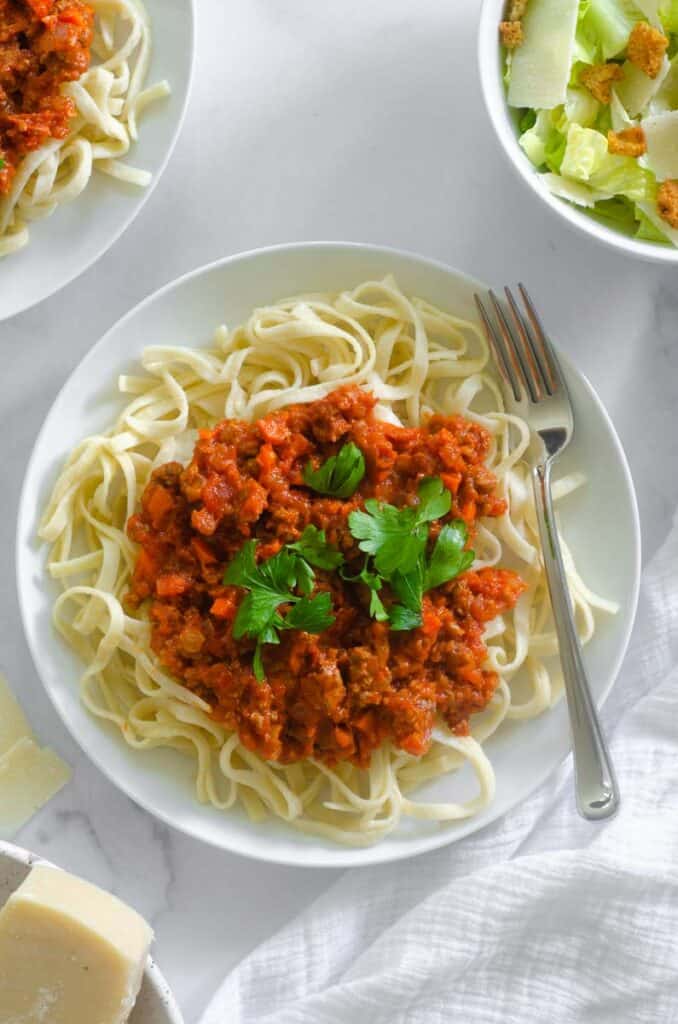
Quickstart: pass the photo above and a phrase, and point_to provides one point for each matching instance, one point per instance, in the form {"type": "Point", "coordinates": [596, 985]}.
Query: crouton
{"type": "Point", "coordinates": [629, 142]}
{"type": "Point", "coordinates": [516, 9]}
{"type": "Point", "coordinates": [646, 48]}
{"type": "Point", "coordinates": [598, 79]}
{"type": "Point", "coordinates": [667, 202]}
{"type": "Point", "coordinates": [511, 34]}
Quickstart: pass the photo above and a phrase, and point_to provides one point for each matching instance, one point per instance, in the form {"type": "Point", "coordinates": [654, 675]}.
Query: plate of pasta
{"type": "Point", "coordinates": [93, 94]}
{"type": "Point", "coordinates": [280, 573]}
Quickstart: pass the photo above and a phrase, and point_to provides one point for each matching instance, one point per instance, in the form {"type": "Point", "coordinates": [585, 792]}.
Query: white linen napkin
{"type": "Point", "coordinates": [541, 917]}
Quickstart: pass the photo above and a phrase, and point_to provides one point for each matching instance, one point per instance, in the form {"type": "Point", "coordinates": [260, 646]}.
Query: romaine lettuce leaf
{"type": "Point", "coordinates": [586, 159]}
{"type": "Point", "coordinates": [668, 15]}
{"type": "Point", "coordinates": [543, 143]}
{"type": "Point", "coordinates": [610, 22]}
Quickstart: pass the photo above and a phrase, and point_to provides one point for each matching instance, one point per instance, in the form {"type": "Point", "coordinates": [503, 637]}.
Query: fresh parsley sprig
{"type": "Point", "coordinates": [272, 583]}
{"type": "Point", "coordinates": [313, 547]}
{"type": "Point", "coordinates": [340, 475]}
{"type": "Point", "coordinates": [396, 540]}
{"type": "Point", "coordinates": [396, 537]}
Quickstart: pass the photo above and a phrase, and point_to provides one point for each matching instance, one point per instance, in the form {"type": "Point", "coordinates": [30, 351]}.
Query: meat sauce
{"type": "Point", "coordinates": [338, 695]}
{"type": "Point", "coordinates": [43, 44]}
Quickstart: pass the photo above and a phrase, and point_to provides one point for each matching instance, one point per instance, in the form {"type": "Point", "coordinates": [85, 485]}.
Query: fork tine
{"type": "Point", "coordinates": [519, 373]}
{"type": "Point", "coordinates": [541, 346]}
{"type": "Point", "coordinates": [537, 385]}
{"type": "Point", "coordinates": [500, 357]}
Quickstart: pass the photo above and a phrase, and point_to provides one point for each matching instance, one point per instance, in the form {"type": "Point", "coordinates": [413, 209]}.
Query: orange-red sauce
{"type": "Point", "coordinates": [340, 694]}
{"type": "Point", "coordinates": [43, 43]}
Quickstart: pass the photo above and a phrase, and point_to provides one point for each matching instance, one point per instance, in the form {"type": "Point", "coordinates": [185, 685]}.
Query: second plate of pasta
{"type": "Point", "coordinates": [289, 551]}
{"type": "Point", "coordinates": [100, 91]}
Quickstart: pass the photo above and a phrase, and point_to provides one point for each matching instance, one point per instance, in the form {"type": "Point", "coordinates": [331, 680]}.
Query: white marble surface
{"type": "Point", "coordinates": [312, 120]}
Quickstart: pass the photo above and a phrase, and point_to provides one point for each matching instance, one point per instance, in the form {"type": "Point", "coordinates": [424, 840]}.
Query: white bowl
{"type": "Point", "coordinates": [155, 1004]}
{"type": "Point", "coordinates": [187, 312]}
{"type": "Point", "coordinates": [63, 246]}
{"type": "Point", "coordinates": [494, 93]}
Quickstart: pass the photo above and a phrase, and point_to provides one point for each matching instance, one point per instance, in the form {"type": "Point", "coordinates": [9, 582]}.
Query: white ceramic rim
{"type": "Point", "coordinates": [338, 857]}
{"type": "Point", "coordinates": [494, 95]}
{"type": "Point", "coordinates": [152, 973]}
{"type": "Point", "coordinates": [135, 207]}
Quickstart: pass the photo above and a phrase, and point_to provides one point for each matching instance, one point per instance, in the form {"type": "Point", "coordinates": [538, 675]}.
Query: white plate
{"type": "Point", "coordinates": [601, 523]}
{"type": "Point", "coordinates": [77, 234]}
{"type": "Point", "coordinates": [155, 1004]}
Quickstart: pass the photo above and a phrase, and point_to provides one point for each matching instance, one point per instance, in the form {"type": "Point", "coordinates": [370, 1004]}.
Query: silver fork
{"type": "Point", "coordinates": [534, 381]}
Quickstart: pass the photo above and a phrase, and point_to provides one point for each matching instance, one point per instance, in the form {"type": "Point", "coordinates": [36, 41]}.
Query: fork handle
{"type": "Point", "coordinates": [596, 787]}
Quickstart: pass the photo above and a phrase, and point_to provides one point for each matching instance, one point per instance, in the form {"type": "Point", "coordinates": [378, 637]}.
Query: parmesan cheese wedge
{"type": "Point", "coordinates": [540, 68]}
{"type": "Point", "coordinates": [69, 953]}
{"type": "Point", "coordinates": [661, 135]}
{"type": "Point", "coordinates": [29, 776]}
{"type": "Point", "coordinates": [13, 723]}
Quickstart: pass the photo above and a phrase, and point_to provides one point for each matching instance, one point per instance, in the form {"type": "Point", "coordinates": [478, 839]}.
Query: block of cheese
{"type": "Point", "coordinates": [13, 723]}
{"type": "Point", "coordinates": [69, 953]}
{"type": "Point", "coordinates": [29, 776]}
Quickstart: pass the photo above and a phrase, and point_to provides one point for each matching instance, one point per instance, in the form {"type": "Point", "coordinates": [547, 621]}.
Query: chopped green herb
{"type": "Point", "coordinates": [340, 475]}
{"type": "Point", "coordinates": [313, 546]}
{"type": "Point", "coordinates": [270, 585]}
{"type": "Point", "coordinates": [402, 619]}
{"type": "Point", "coordinates": [374, 582]}
{"type": "Point", "coordinates": [396, 537]}
{"type": "Point", "coordinates": [449, 557]}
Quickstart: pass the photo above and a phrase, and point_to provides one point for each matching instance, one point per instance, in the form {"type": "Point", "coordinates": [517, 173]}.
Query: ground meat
{"type": "Point", "coordinates": [339, 694]}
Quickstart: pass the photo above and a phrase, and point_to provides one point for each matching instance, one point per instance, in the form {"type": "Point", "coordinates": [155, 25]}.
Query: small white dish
{"type": "Point", "coordinates": [494, 92]}
{"type": "Point", "coordinates": [63, 246]}
{"type": "Point", "coordinates": [186, 312]}
{"type": "Point", "coordinates": [155, 1004]}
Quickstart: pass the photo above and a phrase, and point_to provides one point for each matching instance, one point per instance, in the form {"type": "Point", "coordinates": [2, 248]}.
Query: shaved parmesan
{"type": "Point", "coordinates": [661, 135]}
{"type": "Point", "coordinates": [650, 9]}
{"type": "Point", "coordinates": [573, 191]}
{"type": "Point", "coordinates": [13, 724]}
{"type": "Point", "coordinates": [29, 777]}
{"type": "Point", "coordinates": [666, 98]}
{"type": "Point", "coordinates": [540, 70]}
{"type": "Point", "coordinates": [636, 90]}
{"type": "Point", "coordinates": [652, 213]}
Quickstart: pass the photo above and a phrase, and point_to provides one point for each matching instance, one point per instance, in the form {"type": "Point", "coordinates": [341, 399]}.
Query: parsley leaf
{"type": "Point", "coordinates": [396, 537]}
{"type": "Point", "coordinates": [435, 500]}
{"type": "Point", "coordinates": [340, 475]}
{"type": "Point", "coordinates": [313, 546]}
{"type": "Point", "coordinates": [270, 585]}
{"type": "Point", "coordinates": [312, 614]}
{"type": "Point", "coordinates": [448, 558]}
{"type": "Point", "coordinates": [409, 587]}
{"type": "Point", "coordinates": [374, 582]}
{"type": "Point", "coordinates": [401, 618]}
{"type": "Point", "coordinates": [2, 163]}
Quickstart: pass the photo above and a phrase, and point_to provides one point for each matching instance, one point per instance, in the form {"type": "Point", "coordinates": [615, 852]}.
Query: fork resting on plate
{"type": "Point", "coordinates": [534, 382]}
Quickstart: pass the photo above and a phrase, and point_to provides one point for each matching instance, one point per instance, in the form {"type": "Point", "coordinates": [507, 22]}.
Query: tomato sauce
{"type": "Point", "coordinates": [43, 44]}
{"type": "Point", "coordinates": [340, 694]}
